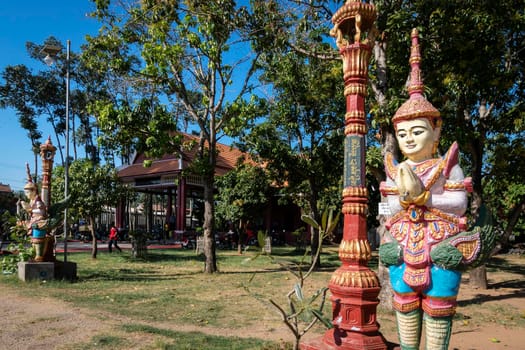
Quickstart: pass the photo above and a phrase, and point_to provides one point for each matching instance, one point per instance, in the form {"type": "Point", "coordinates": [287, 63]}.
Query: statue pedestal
{"type": "Point", "coordinates": [29, 270]}
{"type": "Point", "coordinates": [66, 271]}
{"type": "Point", "coordinates": [58, 270]}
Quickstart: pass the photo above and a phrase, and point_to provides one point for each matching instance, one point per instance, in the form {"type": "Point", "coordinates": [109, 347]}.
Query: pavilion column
{"type": "Point", "coordinates": [120, 213]}
{"type": "Point", "coordinates": [169, 206]}
{"type": "Point", "coordinates": [181, 205]}
{"type": "Point", "coordinates": [149, 218]}
{"type": "Point", "coordinates": [354, 287]}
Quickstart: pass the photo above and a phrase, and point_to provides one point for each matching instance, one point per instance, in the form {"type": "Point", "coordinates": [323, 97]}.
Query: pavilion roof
{"type": "Point", "coordinates": [171, 164]}
{"type": "Point", "coordinates": [5, 188]}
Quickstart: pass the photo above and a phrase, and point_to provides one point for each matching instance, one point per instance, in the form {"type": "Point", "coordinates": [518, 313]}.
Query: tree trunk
{"type": "Point", "coordinates": [210, 265]}
{"type": "Point", "coordinates": [94, 246]}
{"type": "Point", "coordinates": [139, 246]}
{"type": "Point", "coordinates": [240, 236]}
{"type": "Point", "coordinates": [389, 144]}
{"type": "Point", "coordinates": [315, 242]}
{"type": "Point", "coordinates": [478, 277]}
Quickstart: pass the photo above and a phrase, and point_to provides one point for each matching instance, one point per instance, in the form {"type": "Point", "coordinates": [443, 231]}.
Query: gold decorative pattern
{"type": "Point", "coordinates": [457, 186]}
{"type": "Point", "coordinates": [406, 307]}
{"type": "Point", "coordinates": [355, 208]}
{"type": "Point", "coordinates": [417, 105]}
{"type": "Point", "coordinates": [469, 246]}
{"type": "Point", "coordinates": [390, 165]}
{"type": "Point", "coordinates": [434, 213]}
{"type": "Point", "coordinates": [355, 279]}
{"type": "Point", "coordinates": [360, 115]}
{"type": "Point", "coordinates": [355, 250]}
{"type": "Point", "coordinates": [352, 19]}
{"type": "Point", "coordinates": [439, 312]}
{"type": "Point", "coordinates": [360, 129]}
{"type": "Point", "coordinates": [355, 64]}
{"type": "Point", "coordinates": [355, 89]}
{"type": "Point", "coordinates": [355, 192]}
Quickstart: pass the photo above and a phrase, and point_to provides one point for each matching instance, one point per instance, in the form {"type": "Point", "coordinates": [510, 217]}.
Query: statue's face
{"type": "Point", "coordinates": [416, 139]}
{"type": "Point", "coordinates": [30, 193]}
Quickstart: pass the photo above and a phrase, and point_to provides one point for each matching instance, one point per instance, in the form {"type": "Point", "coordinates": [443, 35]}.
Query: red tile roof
{"type": "Point", "coordinates": [170, 164]}
{"type": "Point", "coordinates": [5, 188]}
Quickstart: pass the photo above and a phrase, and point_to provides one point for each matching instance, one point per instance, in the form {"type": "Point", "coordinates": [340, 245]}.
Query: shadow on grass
{"type": "Point", "coordinates": [500, 264]}
{"type": "Point", "coordinates": [155, 256]}
{"type": "Point", "coordinates": [482, 298]}
{"type": "Point", "coordinates": [197, 340]}
{"type": "Point", "coordinates": [496, 264]}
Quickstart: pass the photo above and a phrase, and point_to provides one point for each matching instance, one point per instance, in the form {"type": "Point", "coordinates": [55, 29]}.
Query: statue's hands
{"type": "Point", "coordinates": [24, 205]}
{"type": "Point", "coordinates": [408, 184]}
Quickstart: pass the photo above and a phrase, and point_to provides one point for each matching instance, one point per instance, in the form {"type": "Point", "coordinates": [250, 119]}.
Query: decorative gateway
{"type": "Point", "coordinates": [428, 243]}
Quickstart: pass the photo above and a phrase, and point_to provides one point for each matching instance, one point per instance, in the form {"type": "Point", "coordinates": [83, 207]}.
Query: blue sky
{"type": "Point", "coordinates": [31, 20]}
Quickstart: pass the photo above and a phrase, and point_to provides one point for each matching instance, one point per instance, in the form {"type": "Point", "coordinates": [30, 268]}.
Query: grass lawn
{"type": "Point", "coordinates": [166, 302]}
{"type": "Point", "coordinates": [170, 288]}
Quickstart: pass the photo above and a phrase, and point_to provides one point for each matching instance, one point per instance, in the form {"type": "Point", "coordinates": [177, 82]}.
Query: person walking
{"type": "Point", "coordinates": [113, 238]}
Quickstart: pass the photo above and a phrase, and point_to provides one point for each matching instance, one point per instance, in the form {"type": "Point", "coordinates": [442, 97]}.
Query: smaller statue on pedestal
{"type": "Point", "coordinates": [37, 221]}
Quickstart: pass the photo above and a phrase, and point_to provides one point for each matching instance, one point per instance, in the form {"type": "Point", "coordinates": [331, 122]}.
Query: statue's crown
{"type": "Point", "coordinates": [29, 184]}
{"type": "Point", "coordinates": [417, 105]}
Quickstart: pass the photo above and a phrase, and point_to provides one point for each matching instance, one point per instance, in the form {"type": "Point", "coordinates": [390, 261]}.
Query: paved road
{"type": "Point", "coordinates": [79, 246]}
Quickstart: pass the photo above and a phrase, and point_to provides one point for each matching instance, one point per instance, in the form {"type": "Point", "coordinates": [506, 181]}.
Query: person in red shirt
{"type": "Point", "coordinates": [113, 238]}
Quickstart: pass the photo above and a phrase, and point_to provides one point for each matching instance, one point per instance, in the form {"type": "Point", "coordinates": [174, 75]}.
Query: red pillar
{"type": "Point", "coordinates": [181, 205]}
{"type": "Point", "coordinates": [169, 206]}
{"type": "Point", "coordinates": [47, 153]}
{"type": "Point", "coordinates": [354, 287]}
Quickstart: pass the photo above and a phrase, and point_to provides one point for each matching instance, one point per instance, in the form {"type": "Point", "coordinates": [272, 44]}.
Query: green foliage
{"type": "Point", "coordinates": [504, 184]}
{"type": "Point", "coordinates": [242, 194]}
{"type": "Point", "coordinates": [19, 249]}
{"type": "Point", "coordinates": [90, 188]}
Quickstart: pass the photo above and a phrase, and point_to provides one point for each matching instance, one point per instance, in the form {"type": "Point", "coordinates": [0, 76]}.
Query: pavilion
{"type": "Point", "coordinates": [183, 192]}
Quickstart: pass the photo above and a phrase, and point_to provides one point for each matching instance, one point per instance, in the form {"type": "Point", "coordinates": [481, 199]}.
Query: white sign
{"type": "Point", "coordinates": [384, 209]}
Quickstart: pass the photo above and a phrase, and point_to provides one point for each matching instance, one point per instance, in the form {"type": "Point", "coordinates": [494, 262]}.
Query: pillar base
{"type": "Point", "coordinates": [339, 339]}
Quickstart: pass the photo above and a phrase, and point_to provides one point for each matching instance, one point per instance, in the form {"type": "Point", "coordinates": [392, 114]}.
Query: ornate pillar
{"type": "Point", "coordinates": [353, 286]}
{"type": "Point", "coordinates": [47, 153]}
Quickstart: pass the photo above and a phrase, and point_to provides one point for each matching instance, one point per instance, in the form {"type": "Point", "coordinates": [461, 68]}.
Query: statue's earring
{"type": "Point", "coordinates": [437, 134]}
{"type": "Point", "coordinates": [435, 149]}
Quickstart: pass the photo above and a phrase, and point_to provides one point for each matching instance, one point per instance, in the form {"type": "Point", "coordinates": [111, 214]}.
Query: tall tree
{"type": "Point", "coordinates": [194, 57]}
{"type": "Point", "coordinates": [301, 139]}
{"type": "Point", "coordinates": [91, 189]}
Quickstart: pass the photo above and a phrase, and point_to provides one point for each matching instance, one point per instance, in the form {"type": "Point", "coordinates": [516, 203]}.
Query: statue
{"type": "Point", "coordinates": [37, 221]}
{"type": "Point", "coordinates": [428, 244]}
